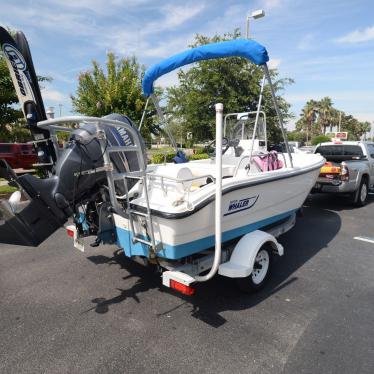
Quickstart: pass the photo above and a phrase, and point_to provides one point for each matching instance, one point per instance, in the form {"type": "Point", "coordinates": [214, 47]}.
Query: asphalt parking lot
{"type": "Point", "coordinates": [62, 311]}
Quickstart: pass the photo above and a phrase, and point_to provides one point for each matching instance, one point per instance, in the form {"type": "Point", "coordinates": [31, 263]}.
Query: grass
{"type": "Point", "coordinates": [7, 189]}
{"type": "Point", "coordinates": [160, 150]}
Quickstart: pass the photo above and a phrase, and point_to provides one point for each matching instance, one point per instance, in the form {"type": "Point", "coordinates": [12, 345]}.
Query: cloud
{"type": "Point", "coordinates": [53, 95]}
{"type": "Point", "coordinates": [306, 42]}
{"type": "Point", "coordinates": [177, 15]}
{"type": "Point", "coordinates": [365, 117]}
{"type": "Point", "coordinates": [99, 7]}
{"type": "Point", "coordinates": [52, 19]}
{"type": "Point", "coordinates": [274, 63]}
{"type": "Point", "coordinates": [358, 36]}
{"type": "Point", "coordinates": [364, 97]}
{"type": "Point", "coordinates": [139, 40]}
{"type": "Point", "coordinates": [291, 124]}
{"type": "Point", "coordinates": [168, 80]}
{"type": "Point", "coordinates": [62, 77]}
{"type": "Point", "coordinates": [271, 4]}
{"type": "Point", "coordinates": [167, 49]}
{"type": "Point", "coordinates": [88, 20]}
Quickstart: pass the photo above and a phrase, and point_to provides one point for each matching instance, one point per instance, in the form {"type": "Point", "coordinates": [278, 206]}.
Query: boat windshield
{"type": "Point", "coordinates": [241, 126]}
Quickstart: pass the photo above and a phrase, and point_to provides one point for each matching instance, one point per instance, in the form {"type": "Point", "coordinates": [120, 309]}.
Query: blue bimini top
{"type": "Point", "coordinates": [249, 49]}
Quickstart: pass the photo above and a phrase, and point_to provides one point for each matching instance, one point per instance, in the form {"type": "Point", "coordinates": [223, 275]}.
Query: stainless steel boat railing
{"type": "Point", "coordinates": [179, 180]}
{"type": "Point", "coordinates": [55, 124]}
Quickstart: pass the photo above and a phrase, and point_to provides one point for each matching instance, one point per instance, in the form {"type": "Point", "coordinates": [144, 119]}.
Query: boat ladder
{"type": "Point", "coordinates": [147, 215]}
{"type": "Point", "coordinates": [141, 175]}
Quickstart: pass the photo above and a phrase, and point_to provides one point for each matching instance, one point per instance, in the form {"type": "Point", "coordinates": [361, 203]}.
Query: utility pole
{"type": "Point", "coordinates": [340, 120]}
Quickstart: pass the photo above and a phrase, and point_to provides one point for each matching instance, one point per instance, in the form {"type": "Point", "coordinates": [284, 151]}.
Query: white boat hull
{"type": "Point", "coordinates": [246, 206]}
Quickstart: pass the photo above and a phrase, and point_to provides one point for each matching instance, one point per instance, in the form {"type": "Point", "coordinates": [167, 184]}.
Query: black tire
{"type": "Point", "coordinates": [250, 284]}
{"type": "Point", "coordinates": [359, 197]}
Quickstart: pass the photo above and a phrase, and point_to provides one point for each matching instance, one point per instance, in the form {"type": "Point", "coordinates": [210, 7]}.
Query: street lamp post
{"type": "Point", "coordinates": [50, 112]}
{"type": "Point", "coordinates": [255, 15]}
{"type": "Point", "coordinates": [340, 120]}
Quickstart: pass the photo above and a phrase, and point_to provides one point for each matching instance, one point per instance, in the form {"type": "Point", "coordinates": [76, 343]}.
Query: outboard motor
{"type": "Point", "coordinates": [53, 200]}
{"type": "Point", "coordinates": [73, 179]}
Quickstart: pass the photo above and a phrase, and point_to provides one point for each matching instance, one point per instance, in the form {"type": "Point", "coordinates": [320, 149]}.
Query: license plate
{"type": "Point", "coordinates": [78, 244]}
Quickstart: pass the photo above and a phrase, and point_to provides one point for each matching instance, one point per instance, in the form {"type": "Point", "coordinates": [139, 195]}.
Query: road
{"type": "Point", "coordinates": [67, 312]}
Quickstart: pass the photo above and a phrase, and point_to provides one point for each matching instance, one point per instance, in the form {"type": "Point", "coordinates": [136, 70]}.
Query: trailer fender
{"type": "Point", "coordinates": [243, 256]}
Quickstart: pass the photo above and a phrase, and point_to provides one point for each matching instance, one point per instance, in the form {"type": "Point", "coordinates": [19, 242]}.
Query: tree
{"type": "Point", "coordinates": [118, 90]}
{"type": "Point", "coordinates": [307, 121]}
{"type": "Point", "coordinates": [354, 127]}
{"type": "Point", "coordinates": [365, 127]}
{"type": "Point", "coordinates": [8, 97]}
{"type": "Point", "coordinates": [317, 116]}
{"type": "Point", "coordinates": [320, 139]}
{"type": "Point", "coordinates": [327, 115]}
{"type": "Point", "coordinates": [296, 136]}
{"type": "Point", "coordinates": [233, 81]}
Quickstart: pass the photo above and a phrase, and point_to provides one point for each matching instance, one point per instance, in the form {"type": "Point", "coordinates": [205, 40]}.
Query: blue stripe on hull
{"type": "Point", "coordinates": [124, 240]}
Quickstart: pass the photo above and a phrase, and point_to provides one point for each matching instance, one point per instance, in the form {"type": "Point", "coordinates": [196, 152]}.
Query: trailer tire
{"type": "Point", "coordinates": [360, 196]}
{"type": "Point", "coordinates": [261, 271]}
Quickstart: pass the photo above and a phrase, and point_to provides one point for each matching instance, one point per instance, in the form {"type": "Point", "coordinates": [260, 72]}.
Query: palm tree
{"type": "Point", "coordinates": [327, 115]}
{"type": "Point", "coordinates": [308, 118]}
{"type": "Point", "coordinates": [365, 127]}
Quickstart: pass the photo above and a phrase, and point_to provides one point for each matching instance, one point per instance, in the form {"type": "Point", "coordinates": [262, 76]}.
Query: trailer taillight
{"type": "Point", "coordinates": [70, 232]}
{"type": "Point", "coordinates": [184, 289]}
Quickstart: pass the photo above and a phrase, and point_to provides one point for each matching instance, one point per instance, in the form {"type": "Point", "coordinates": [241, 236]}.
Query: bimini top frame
{"type": "Point", "coordinates": [248, 49]}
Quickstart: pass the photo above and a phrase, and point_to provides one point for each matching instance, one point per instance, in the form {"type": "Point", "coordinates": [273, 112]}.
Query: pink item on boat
{"type": "Point", "coordinates": [268, 161]}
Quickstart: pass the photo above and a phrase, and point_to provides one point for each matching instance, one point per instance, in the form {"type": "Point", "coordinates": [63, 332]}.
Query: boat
{"type": "Point", "coordinates": [182, 216]}
{"type": "Point", "coordinates": [182, 202]}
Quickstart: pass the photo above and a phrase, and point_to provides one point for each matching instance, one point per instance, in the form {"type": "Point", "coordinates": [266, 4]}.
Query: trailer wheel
{"type": "Point", "coordinates": [360, 196]}
{"type": "Point", "coordinates": [261, 270]}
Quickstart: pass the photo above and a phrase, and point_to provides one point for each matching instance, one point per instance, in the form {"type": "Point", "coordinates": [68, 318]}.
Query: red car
{"type": "Point", "coordinates": [18, 155]}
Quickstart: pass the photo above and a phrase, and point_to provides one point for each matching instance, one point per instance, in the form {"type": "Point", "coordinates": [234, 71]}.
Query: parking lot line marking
{"type": "Point", "coordinates": [364, 239]}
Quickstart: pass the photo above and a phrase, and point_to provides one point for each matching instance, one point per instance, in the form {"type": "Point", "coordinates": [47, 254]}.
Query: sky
{"type": "Point", "coordinates": [327, 47]}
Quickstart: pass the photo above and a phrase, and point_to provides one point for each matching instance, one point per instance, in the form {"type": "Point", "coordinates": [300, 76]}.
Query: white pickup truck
{"type": "Point", "coordinates": [349, 169]}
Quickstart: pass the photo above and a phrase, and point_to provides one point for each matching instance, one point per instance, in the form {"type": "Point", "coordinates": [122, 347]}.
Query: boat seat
{"type": "Point", "coordinates": [204, 169]}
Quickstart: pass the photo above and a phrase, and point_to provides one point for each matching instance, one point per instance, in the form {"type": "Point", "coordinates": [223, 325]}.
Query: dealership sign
{"type": "Point", "coordinates": [341, 135]}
